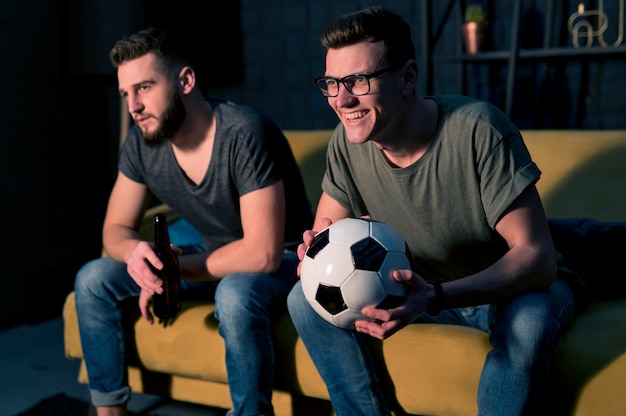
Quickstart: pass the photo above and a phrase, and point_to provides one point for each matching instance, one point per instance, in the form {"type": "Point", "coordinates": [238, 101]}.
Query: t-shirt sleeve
{"type": "Point", "coordinates": [506, 171]}
{"type": "Point", "coordinates": [256, 159]}
{"type": "Point", "coordinates": [130, 157]}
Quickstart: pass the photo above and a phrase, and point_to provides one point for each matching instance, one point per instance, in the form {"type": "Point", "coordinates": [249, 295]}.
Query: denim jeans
{"type": "Point", "coordinates": [244, 306]}
{"type": "Point", "coordinates": [523, 332]}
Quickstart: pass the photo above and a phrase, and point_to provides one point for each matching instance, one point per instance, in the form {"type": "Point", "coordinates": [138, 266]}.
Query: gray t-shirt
{"type": "Point", "coordinates": [447, 203]}
{"type": "Point", "coordinates": [250, 152]}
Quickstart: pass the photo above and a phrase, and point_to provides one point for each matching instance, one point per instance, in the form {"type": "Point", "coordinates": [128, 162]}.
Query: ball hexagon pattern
{"type": "Point", "coordinates": [349, 266]}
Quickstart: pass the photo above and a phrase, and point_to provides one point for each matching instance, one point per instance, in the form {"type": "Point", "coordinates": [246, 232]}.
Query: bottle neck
{"type": "Point", "coordinates": [161, 234]}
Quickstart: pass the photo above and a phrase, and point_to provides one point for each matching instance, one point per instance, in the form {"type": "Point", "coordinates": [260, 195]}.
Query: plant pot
{"type": "Point", "coordinates": [473, 35]}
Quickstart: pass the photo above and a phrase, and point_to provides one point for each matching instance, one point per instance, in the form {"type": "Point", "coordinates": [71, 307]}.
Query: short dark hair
{"type": "Point", "coordinates": [373, 24]}
{"type": "Point", "coordinates": [171, 49]}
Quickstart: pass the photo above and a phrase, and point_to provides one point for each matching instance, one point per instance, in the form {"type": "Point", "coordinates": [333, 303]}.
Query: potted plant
{"type": "Point", "coordinates": [473, 28]}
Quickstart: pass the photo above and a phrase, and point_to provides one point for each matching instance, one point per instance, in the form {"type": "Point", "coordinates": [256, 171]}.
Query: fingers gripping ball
{"type": "Point", "coordinates": [349, 266]}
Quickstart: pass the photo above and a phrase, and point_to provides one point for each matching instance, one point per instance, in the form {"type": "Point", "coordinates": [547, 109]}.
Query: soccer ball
{"type": "Point", "coordinates": [349, 266]}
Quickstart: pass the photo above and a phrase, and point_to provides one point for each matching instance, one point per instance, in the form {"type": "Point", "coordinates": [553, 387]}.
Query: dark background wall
{"type": "Point", "coordinates": [59, 128]}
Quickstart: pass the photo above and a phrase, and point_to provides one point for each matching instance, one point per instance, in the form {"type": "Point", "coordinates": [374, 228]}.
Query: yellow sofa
{"type": "Point", "coordinates": [433, 369]}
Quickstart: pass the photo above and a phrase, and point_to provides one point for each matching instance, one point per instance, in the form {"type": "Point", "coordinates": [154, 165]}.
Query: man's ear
{"type": "Point", "coordinates": [187, 78]}
{"type": "Point", "coordinates": [409, 77]}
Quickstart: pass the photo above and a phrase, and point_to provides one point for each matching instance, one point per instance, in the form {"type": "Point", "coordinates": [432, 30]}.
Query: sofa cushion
{"type": "Point", "coordinates": [590, 363]}
{"type": "Point", "coordinates": [169, 350]}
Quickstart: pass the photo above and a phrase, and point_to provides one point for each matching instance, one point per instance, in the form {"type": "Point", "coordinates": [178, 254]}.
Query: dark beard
{"type": "Point", "coordinates": [170, 121]}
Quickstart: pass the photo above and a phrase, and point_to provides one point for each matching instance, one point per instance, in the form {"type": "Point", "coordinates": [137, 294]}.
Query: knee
{"type": "Point", "coordinates": [91, 278]}
{"type": "Point", "coordinates": [87, 276]}
{"type": "Point", "coordinates": [296, 302]}
{"type": "Point", "coordinates": [232, 295]}
{"type": "Point", "coordinates": [529, 327]}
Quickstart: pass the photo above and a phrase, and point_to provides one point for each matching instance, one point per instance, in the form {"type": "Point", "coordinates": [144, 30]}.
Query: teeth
{"type": "Point", "coordinates": [354, 116]}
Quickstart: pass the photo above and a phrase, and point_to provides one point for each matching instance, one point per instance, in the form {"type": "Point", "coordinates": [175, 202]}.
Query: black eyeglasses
{"type": "Point", "coordinates": [356, 84]}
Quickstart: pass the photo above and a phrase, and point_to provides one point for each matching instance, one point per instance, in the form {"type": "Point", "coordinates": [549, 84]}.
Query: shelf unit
{"type": "Point", "coordinates": [431, 35]}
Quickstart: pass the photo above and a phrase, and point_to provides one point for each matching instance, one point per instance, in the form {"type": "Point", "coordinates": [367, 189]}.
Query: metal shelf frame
{"type": "Point", "coordinates": [431, 34]}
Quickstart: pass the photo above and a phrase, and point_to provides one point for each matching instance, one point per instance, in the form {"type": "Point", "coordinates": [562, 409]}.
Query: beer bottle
{"type": "Point", "coordinates": [167, 304]}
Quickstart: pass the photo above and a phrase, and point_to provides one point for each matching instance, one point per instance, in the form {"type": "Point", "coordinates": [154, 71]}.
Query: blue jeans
{"type": "Point", "coordinates": [244, 304]}
{"type": "Point", "coordinates": [523, 332]}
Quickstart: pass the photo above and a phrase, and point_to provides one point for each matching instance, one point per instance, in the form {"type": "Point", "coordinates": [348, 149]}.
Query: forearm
{"type": "Point", "coordinates": [238, 256]}
{"type": "Point", "coordinates": [118, 242]}
{"type": "Point", "coordinates": [520, 270]}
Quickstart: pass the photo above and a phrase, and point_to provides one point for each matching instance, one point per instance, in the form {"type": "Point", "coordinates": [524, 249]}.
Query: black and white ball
{"type": "Point", "coordinates": [349, 266]}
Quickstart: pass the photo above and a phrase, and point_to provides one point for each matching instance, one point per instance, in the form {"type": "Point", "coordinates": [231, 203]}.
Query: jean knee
{"type": "Point", "coordinates": [88, 277]}
{"type": "Point", "coordinates": [232, 296]}
{"type": "Point", "coordinates": [296, 299]}
{"type": "Point", "coordinates": [300, 311]}
{"type": "Point", "coordinates": [104, 278]}
{"type": "Point", "coordinates": [529, 323]}
{"type": "Point", "coordinates": [230, 290]}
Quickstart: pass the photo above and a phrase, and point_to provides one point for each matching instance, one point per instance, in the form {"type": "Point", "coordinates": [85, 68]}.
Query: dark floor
{"type": "Point", "coordinates": [33, 367]}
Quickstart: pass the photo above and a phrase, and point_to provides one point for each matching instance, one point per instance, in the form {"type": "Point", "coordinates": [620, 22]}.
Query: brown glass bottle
{"type": "Point", "coordinates": [167, 304]}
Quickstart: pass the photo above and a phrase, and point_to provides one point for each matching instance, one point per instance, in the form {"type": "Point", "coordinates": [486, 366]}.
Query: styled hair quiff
{"type": "Point", "coordinates": [171, 50]}
{"type": "Point", "coordinates": [372, 24]}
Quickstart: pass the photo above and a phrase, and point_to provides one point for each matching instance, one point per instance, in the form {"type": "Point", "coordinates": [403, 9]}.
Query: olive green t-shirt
{"type": "Point", "coordinates": [447, 203]}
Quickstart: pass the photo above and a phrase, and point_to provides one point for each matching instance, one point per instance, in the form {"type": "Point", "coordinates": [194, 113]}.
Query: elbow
{"type": "Point", "coordinates": [274, 264]}
{"type": "Point", "coordinates": [270, 267]}
{"type": "Point", "coordinates": [270, 261]}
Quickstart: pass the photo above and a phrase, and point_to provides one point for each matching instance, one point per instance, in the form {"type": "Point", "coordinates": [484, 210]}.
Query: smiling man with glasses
{"type": "Point", "coordinates": [452, 174]}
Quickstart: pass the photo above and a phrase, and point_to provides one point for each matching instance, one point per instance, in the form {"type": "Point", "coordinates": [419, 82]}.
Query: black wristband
{"type": "Point", "coordinates": [435, 306]}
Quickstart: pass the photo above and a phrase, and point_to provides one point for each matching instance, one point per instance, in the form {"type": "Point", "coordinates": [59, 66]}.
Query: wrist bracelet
{"type": "Point", "coordinates": [435, 306]}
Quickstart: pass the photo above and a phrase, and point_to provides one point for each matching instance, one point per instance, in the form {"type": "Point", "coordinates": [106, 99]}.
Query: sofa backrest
{"type": "Point", "coordinates": [309, 149]}
{"type": "Point", "coordinates": [583, 172]}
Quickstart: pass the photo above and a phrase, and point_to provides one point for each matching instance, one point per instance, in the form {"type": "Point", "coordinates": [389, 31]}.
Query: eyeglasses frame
{"type": "Point", "coordinates": [368, 77]}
